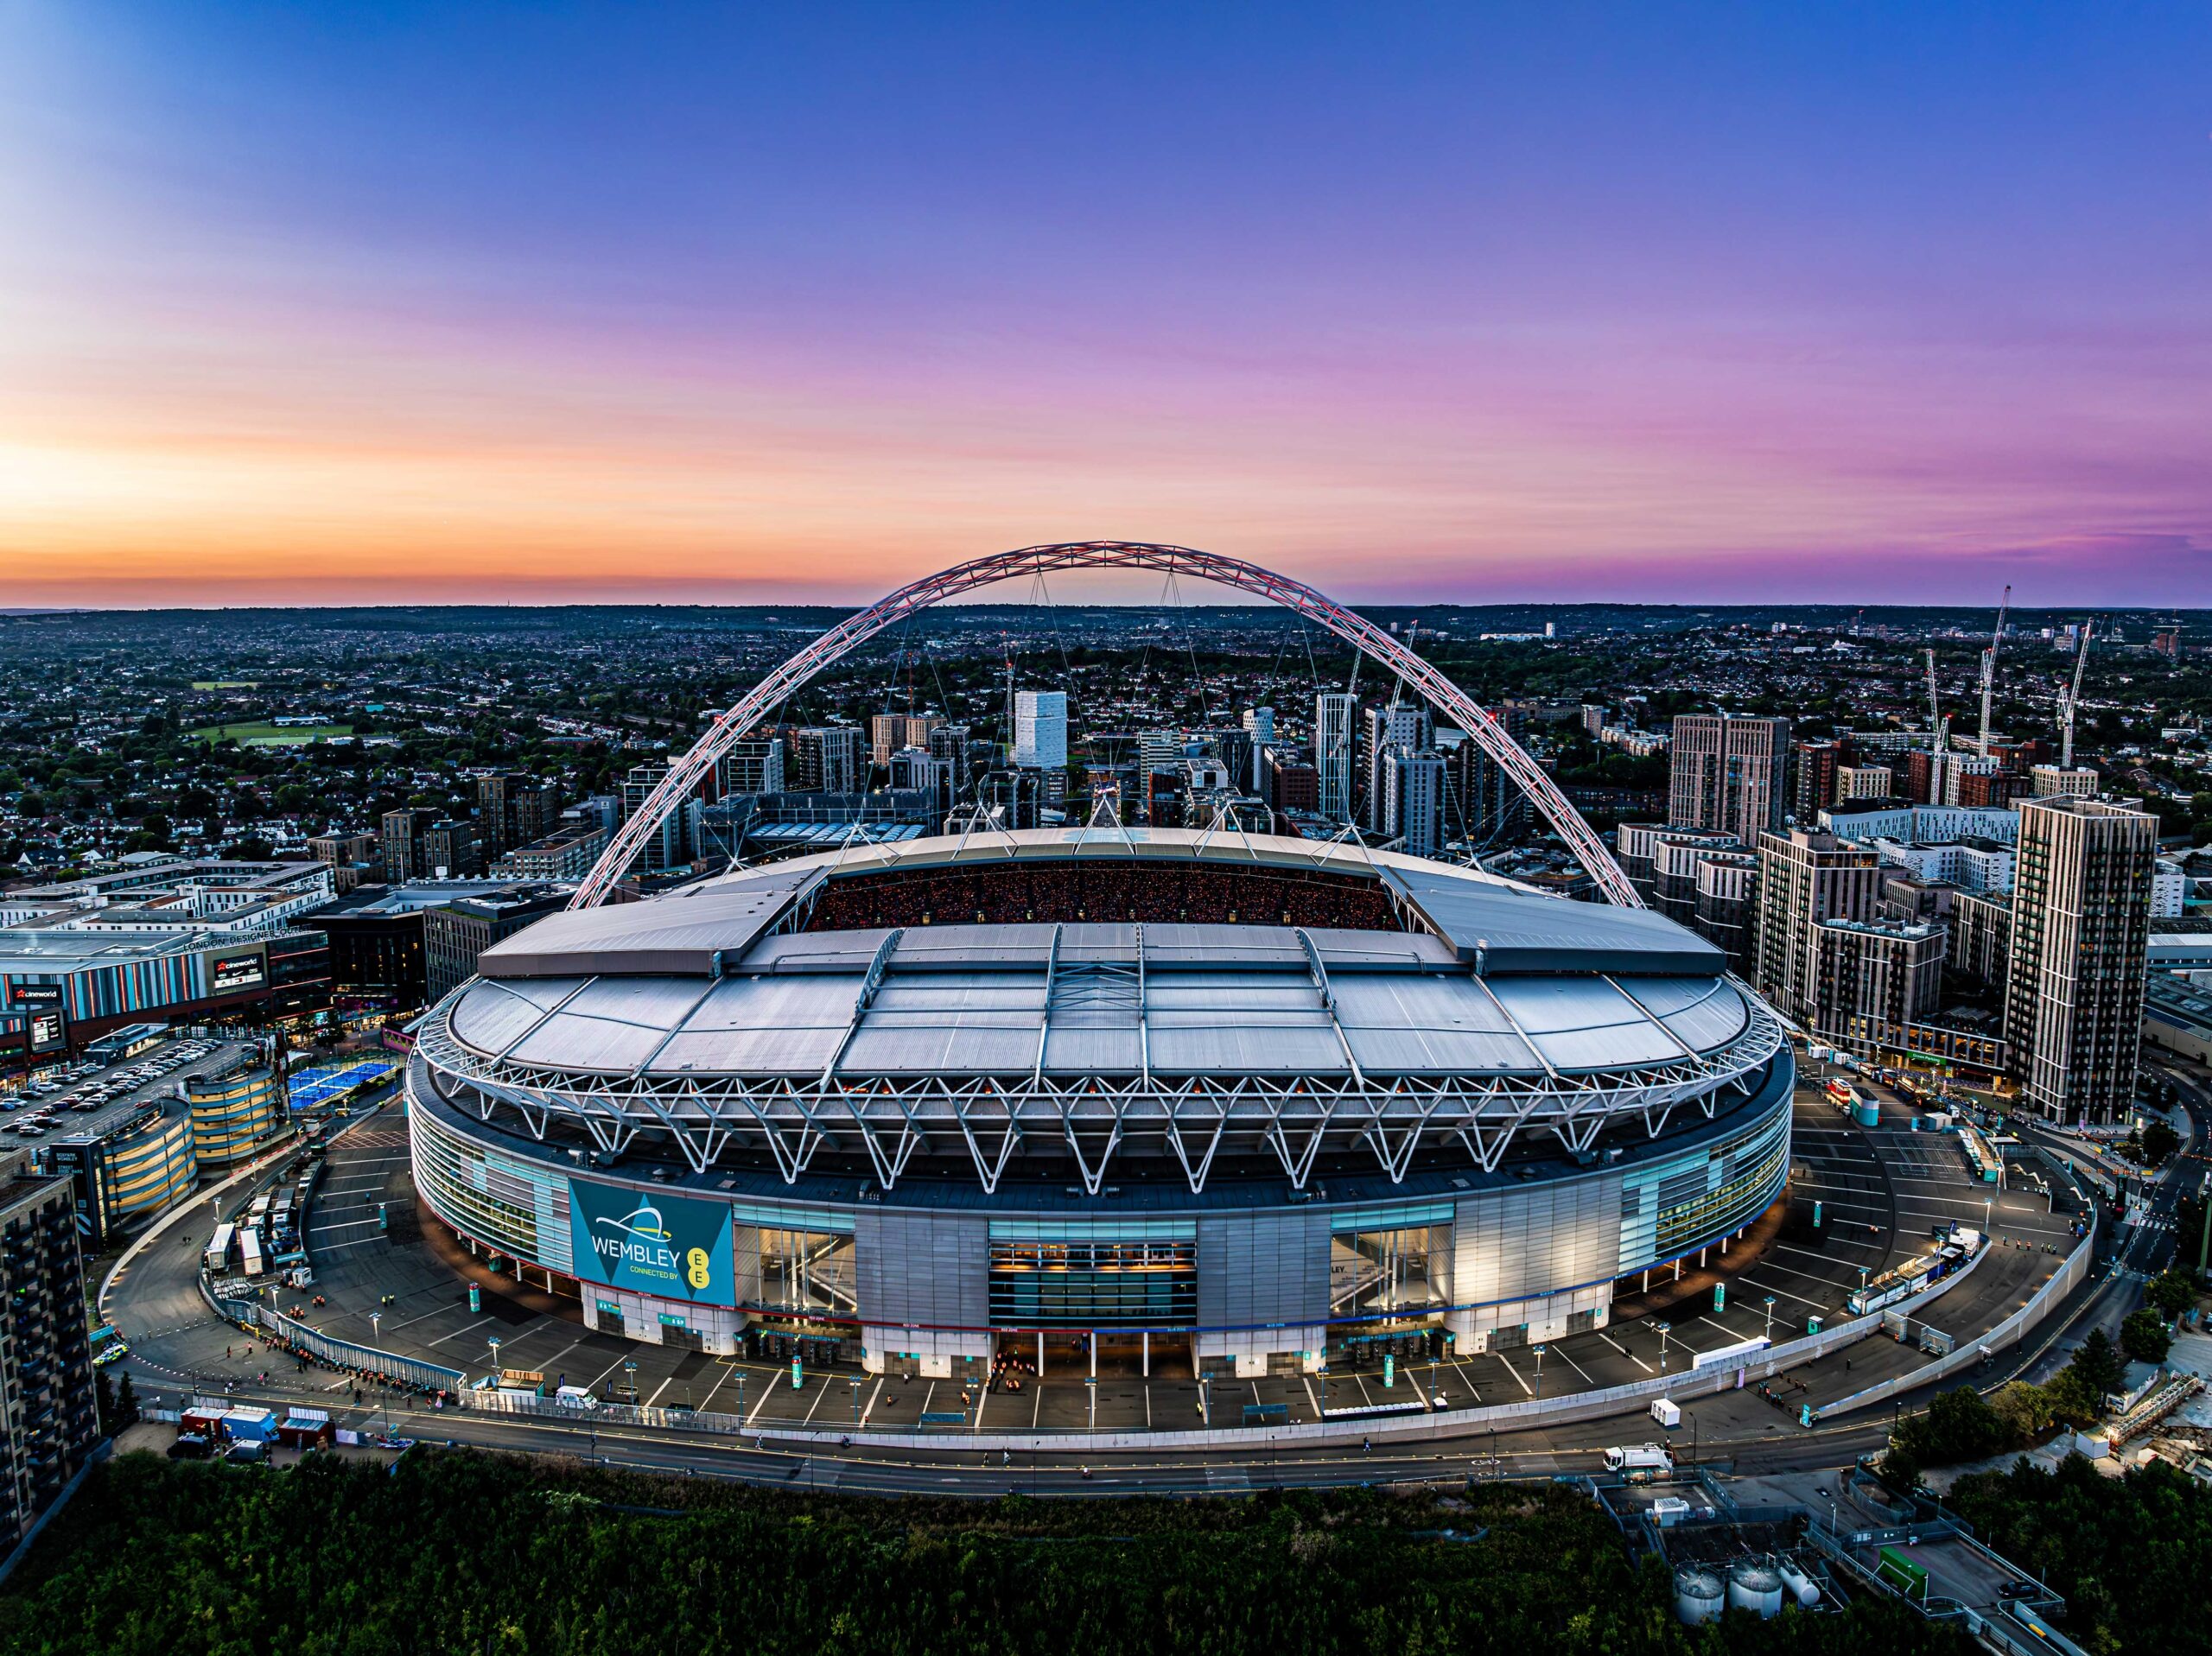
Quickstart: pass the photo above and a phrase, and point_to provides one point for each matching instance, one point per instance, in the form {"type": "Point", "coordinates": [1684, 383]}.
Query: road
{"type": "Point", "coordinates": [1909, 1182]}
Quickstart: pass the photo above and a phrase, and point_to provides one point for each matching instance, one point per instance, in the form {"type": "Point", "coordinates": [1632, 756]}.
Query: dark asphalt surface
{"type": "Point", "coordinates": [179, 1346]}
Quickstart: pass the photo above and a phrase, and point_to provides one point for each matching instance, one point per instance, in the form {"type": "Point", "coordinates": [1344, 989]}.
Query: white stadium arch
{"type": "Point", "coordinates": [732, 725]}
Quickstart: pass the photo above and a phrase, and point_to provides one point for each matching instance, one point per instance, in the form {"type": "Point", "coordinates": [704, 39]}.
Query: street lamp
{"type": "Point", "coordinates": [630, 1375]}
{"type": "Point", "coordinates": [1091, 1386]}
{"type": "Point", "coordinates": [1540, 1371]}
{"type": "Point", "coordinates": [1769, 1316]}
{"type": "Point", "coordinates": [856, 1403]}
{"type": "Point", "coordinates": [1665, 1329]}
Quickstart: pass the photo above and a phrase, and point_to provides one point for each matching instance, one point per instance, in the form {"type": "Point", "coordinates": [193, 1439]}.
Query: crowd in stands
{"type": "Point", "coordinates": [1097, 891]}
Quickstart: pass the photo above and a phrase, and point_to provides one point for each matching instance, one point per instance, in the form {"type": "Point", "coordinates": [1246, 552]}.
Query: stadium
{"type": "Point", "coordinates": [1212, 1101]}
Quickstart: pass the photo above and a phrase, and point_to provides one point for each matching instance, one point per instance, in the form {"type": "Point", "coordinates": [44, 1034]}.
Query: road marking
{"type": "Point", "coordinates": [1784, 1292]}
{"type": "Point", "coordinates": [350, 1224]}
{"type": "Point", "coordinates": [1561, 1352]}
{"type": "Point", "coordinates": [1626, 1352]}
{"type": "Point", "coordinates": [1526, 1390]}
{"type": "Point", "coordinates": [340, 1247]}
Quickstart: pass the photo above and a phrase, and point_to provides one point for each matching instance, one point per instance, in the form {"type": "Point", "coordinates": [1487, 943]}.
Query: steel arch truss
{"type": "Point", "coordinates": [890, 1118]}
{"type": "Point", "coordinates": [732, 725]}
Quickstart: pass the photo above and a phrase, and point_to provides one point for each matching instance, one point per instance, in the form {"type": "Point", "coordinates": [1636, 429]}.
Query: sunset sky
{"type": "Point", "coordinates": [319, 303]}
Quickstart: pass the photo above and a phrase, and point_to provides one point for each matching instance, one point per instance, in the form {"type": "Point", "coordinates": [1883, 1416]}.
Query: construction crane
{"type": "Point", "coordinates": [2072, 699]}
{"type": "Point", "coordinates": [1989, 670]}
{"type": "Point", "coordinates": [1939, 733]}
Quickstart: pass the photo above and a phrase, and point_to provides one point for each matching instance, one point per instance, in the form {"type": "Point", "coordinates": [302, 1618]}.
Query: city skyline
{"type": "Point", "coordinates": [588, 305]}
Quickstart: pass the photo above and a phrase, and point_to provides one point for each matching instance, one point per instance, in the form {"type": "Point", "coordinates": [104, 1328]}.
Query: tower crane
{"type": "Point", "coordinates": [1989, 670]}
{"type": "Point", "coordinates": [2071, 699]}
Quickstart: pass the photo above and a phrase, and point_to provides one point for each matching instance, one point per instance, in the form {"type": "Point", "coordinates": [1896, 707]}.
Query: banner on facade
{"type": "Point", "coordinates": [651, 1242]}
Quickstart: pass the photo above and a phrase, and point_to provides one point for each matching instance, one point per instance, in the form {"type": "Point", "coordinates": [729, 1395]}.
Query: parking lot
{"type": "Point", "coordinates": [88, 1097]}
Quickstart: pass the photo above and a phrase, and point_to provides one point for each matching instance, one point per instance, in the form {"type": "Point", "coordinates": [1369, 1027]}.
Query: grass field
{"type": "Point", "coordinates": [259, 733]}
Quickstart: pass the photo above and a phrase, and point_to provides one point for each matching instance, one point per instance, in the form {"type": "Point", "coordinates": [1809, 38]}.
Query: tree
{"type": "Point", "coordinates": [2143, 1336]}
{"type": "Point", "coordinates": [1958, 1426]}
{"type": "Point", "coordinates": [2159, 1141]}
{"type": "Point", "coordinates": [2170, 1293]}
{"type": "Point", "coordinates": [2098, 1364]}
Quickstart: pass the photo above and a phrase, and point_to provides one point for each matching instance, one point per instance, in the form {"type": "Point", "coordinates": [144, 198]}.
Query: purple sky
{"type": "Point", "coordinates": [1888, 303]}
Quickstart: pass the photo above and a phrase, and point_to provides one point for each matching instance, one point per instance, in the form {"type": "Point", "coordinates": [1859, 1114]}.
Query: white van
{"type": "Point", "coordinates": [574, 1396]}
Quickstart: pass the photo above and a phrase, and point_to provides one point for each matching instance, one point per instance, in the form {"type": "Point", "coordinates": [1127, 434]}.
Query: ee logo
{"type": "Point", "coordinates": [695, 1268]}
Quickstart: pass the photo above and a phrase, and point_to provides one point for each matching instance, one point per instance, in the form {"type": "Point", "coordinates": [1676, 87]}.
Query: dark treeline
{"type": "Point", "coordinates": [468, 1553]}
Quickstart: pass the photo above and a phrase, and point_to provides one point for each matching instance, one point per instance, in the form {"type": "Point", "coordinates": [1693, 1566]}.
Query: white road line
{"type": "Point", "coordinates": [1810, 1276]}
{"type": "Point", "coordinates": [340, 1247]}
{"type": "Point", "coordinates": [1783, 1293]}
{"type": "Point", "coordinates": [465, 1327]}
{"type": "Point", "coordinates": [1734, 1338]}
{"type": "Point", "coordinates": [350, 1224]}
{"type": "Point", "coordinates": [1561, 1353]}
{"type": "Point", "coordinates": [1626, 1352]}
{"type": "Point", "coordinates": [728, 1370]}
{"type": "Point", "coordinates": [1526, 1390]}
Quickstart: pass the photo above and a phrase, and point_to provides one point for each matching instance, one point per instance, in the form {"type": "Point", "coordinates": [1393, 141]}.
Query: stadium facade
{"type": "Point", "coordinates": [1229, 1100]}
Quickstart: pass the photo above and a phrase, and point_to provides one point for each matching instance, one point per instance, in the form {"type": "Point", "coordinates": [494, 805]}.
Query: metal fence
{"type": "Point", "coordinates": [344, 1354]}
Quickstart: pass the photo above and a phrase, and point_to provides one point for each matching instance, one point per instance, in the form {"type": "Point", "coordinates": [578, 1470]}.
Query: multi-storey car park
{"type": "Point", "coordinates": [1215, 1099]}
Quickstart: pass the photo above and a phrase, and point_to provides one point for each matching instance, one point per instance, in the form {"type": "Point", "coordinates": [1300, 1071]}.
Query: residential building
{"type": "Point", "coordinates": [2080, 934]}
{"type": "Point", "coordinates": [918, 769]}
{"type": "Point", "coordinates": [754, 767]}
{"type": "Point", "coordinates": [827, 758]}
{"type": "Point", "coordinates": [456, 934]}
{"type": "Point", "coordinates": [1334, 712]}
{"type": "Point", "coordinates": [1981, 936]}
{"type": "Point", "coordinates": [1806, 877]}
{"type": "Point", "coordinates": [2058, 782]}
{"type": "Point", "coordinates": [48, 1422]}
{"type": "Point", "coordinates": [1413, 789]}
{"type": "Point", "coordinates": [889, 731]}
{"type": "Point", "coordinates": [566, 854]}
{"type": "Point", "coordinates": [403, 844]}
{"type": "Point", "coordinates": [1638, 847]}
{"type": "Point", "coordinates": [1726, 773]}
{"type": "Point", "coordinates": [450, 851]}
{"type": "Point", "coordinates": [1725, 906]}
{"type": "Point", "coordinates": [1863, 782]}
{"type": "Point", "coordinates": [1400, 727]}
{"type": "Point", "coordinates": [1289, 785]}
{"type": "Point", "coordinates": [513, 809]}
{"type": "Point", "coordinates": [2168, 889]}
{"type": "Point", "coordinates": [1868, 980]}
{"type": "Point", "coordinates": [1813, 784]}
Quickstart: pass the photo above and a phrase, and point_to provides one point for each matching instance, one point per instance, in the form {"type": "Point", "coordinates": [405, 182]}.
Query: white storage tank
{"type": "Point", "coordinates": [1802, 1587]}
{"type": "Point", "coordinates": [1755, 1587]}
{"type": "Point", "coordinates": [1698, 1597]}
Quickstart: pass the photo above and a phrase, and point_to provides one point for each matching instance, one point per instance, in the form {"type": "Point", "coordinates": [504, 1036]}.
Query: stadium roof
{"type": "Point", "coordinates": [1500, 928]}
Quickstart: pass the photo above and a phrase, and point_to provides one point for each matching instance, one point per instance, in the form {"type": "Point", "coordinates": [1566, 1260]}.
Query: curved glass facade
{"type": "Point", "coordinates": [1253, 1270]}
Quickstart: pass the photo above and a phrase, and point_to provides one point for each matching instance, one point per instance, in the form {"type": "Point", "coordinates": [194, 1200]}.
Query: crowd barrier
{"type": "Point", "coordinates": [344, 1354]}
